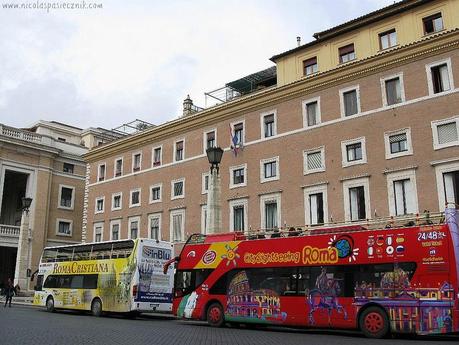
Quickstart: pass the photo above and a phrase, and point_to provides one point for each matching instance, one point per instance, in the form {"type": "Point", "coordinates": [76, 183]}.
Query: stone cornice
{"type": "Point", "coordinates": [426, 47]}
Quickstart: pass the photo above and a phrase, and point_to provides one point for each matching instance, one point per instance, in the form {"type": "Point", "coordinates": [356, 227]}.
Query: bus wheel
{"type": "Point", "coordinates": [215, 316]}
{"type": "Point", "coordinates": [96, 307]}
{"type": "Point", "coordinates": [374, 323]}
{"type": "Point", "coordinates": [50, 304]}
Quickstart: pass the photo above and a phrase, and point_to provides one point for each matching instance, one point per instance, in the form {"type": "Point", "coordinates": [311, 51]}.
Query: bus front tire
{"type": "Point", "coordinates": [215, 316]}
{"type": "Point", "coordinates": [96, 307]}
{"type": "Point", "coordinates": [374, 322]}
{"type": "Point", "coordinates": [50, 304]}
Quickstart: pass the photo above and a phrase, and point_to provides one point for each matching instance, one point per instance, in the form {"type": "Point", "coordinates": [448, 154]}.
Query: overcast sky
{"type": "Point", "coordinates": [139, 59]}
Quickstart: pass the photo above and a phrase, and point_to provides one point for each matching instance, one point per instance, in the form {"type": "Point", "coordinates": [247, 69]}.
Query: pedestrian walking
{"type": "Point", "coordinates": [9, 292]}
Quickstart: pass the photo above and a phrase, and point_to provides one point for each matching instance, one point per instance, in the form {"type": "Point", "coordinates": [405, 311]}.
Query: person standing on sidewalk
{"type": "Point", "coordinates": [9, 291]}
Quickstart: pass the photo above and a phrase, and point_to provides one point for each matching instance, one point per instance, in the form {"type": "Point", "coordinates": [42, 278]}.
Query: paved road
{"type": "Point", "coordinates": [29, 325]}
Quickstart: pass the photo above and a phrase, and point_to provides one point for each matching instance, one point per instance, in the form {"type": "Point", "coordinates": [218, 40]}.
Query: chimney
{"type": "Point", "coordinates": [187, 106]}
{"type": "Point", "coordinates": [298, 40]}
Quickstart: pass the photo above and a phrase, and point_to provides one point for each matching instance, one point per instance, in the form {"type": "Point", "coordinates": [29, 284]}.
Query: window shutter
{"type": "Point", "coordinates": [346, 49]}
{"type": "Point", "coordinates": [447, 133]}
{"type": "Point", "coordinates": [314, 160]}
{"type": "Point", "coordinates": [269, 118]}
{"type": "Point", "coordinates": [309, 62]}
{"type": "Point", "coordinates": [396, 138]}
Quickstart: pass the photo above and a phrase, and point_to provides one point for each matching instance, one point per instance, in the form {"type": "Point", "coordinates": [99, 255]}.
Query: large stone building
{"type": "Point", "coordinates": [43, 162]}
{"type": "Point", "coordinates": [362, 122]}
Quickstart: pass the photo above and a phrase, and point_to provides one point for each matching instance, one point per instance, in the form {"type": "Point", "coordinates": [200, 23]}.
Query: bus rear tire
{"type": "Point", "coordinates": [215, 316]}
{"type": "Point", "coordinates": [374, 322]}
{"type": "Point", "coordinates": [50, 304]}
{"type": "Point", "coordinates": [96, 307]}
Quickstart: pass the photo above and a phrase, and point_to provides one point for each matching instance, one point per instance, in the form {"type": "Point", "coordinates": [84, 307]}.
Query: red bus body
{"type": "Point", "coordinates": [330, 277]}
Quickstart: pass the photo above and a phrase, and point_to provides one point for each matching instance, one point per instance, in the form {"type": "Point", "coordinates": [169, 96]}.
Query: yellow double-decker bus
{"type": "Point", "coordinates": [118, 276]}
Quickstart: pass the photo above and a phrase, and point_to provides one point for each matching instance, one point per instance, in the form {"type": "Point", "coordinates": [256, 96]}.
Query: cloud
{"type": "Point", "coordinates": [140, 59]}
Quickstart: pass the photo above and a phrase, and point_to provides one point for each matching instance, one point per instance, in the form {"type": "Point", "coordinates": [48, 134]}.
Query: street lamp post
{"type": "Point", "coordinates": [214, 208]}
{"type": "Point", "coordinates": [22, 257]}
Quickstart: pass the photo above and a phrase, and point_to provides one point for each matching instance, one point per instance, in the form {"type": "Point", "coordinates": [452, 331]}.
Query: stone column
{"type": "Point", "coordinates": [214, 207]}
{"type": "Point", "coordinates": [22, 257]}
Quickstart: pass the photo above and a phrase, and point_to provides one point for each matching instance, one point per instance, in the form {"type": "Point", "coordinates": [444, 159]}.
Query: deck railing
{"type": "Point", "coordinates": [9, 230]}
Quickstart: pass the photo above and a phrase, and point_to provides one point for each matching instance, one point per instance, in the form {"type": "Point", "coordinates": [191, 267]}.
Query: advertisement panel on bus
{"type": "Point", "coordinates": [401, 279]}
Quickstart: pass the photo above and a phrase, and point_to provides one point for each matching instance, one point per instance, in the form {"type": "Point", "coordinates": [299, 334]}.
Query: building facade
{"type": "Point", "coordinates": [363, 123]}
{"type": "Point", "coordinates": [43, 162]}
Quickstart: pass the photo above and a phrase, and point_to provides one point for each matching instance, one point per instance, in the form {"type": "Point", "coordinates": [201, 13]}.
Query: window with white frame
{"type": "Point", "coordinates": [117, 201]}
{"type": "Point", "coordinates": [178, 189]}
{"type": "Point", "coordinates": [238, 215]}
{"type": "Point", "coordinates": [269, 169]}
{"type": "Point", "coordinates": [445, 133]}
{"type": "Point", "coordinates": [98, 232]}
{"type": "Point", "coordinates": [155, 193]}
{"type": "Point", "coordinates": [392, 89]}
{"type": "Point", "coordinates": [238, 138]}
{"type": "Point", "coordinates": [316, 204]}
{"type": "Point", "coordinates": [350, 101]}
{"type": "Point", "coordinates": [402, 192]}
{"type": "Point", "coordinates": [238, 176]}
{"type": "Point", "coordinates": [136, 162]}
{"type": "Point", "coordinates": [179, 150]}
{"type": "Point", "coordinates": [270, 205]}
{"type": "Point", "coordinates": [154, 224]}
{"type": "Point", "coordinates": [210, 139]}
{"type": "Point", "coordinates": [203, 218]}
{"type": "Point", "coordinates": [134, 198]}
{"type": "Point", "coordinates": [447, 178]}
{"type": "Point", "coordinates": [314, 160]}
{"type": "Point", "coordinates": [101, 172]}
{"type": "Point", "coordinates": [311, 112]}
{"type": "Point", "coordinates": [157, 156]}
{"type": "Point", "coordinates": [100, 204]}
{"type": "Point", "coordinates": [66, 197]}
{"type": "Point", "coordinates": [387, 39]}
{"type": "Point", "coordinates": [268, 124]}
{"type": "Point", "coordinates": [177, 225]}
{"type": "Point", "coordinates": [346, 53]}
{"type": "Point", "coordinates": [310, 66]}
{"type": "Point", "coordinates": [398, 143]}
{"type": "Point", "coordinates": [118, 167]}
{"type": "Point", "coordinates": [134, 224]}
{"type": "Point", "coordinates": [64, 227]}
{"type": "Point", "coordinates": [439, 76]}
{"type": "Point", "coordinates": [432, 23]}
{"type": "Point", "coordinates": [115, 227]}
{"type": "Point", "coordinates": [357, 199]}
{"type": "Point", "coordinates": [353, 152]}
{"type": "Point", "coordinates": [205, 183]}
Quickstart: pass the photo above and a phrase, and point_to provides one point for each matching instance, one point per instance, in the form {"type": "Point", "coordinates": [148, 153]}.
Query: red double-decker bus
{"type": "Point", "coordinates": [401, 279]}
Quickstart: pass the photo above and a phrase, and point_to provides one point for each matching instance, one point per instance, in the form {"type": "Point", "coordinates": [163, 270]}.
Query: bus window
{"type": "Point", "coordinates": [187, 281]}
{"type": "Point", "coordinates": [280, 280]}
{"type": "Point", "coordinates": [221, 285]}
{"type": "Point", "coordinates": [77, 282]}
{"type": "Point", "coordinates": [304, 276]}
{"type": "Point", "coordinates": [49, 255]}
{"type": "Point", "coordinates": [64, 254]}
{"type": "Point", "coordinates": [64, 282]}
{"type": "Point", "coordinates": [81, 252]}
{"type": "Point", "coordinates": [90, 281]}
{"type": "Point", "coordinates": [51, 282]}
{"type": "Point", "coordinates": [39, 285]}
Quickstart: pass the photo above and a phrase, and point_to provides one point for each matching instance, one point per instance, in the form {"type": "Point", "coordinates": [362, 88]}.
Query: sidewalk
{"type": "Point", "coordinates": [18, 300]}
